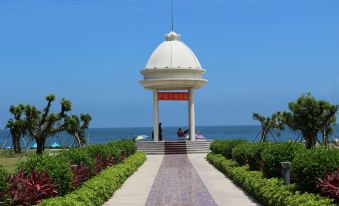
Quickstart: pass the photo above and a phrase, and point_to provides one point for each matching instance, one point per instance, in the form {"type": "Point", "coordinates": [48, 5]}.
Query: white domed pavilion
{"type": "Point", "coordinates": [173, 66]}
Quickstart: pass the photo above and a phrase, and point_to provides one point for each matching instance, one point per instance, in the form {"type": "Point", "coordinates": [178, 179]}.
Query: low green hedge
{"type": "Point", "coordinates": [57, 167]}
{"type": "Point", "coordinates": [240, 153]}
{"type": "Point", "coordinates": [254, 155]}
{"type": "Point", "coordinates": [128, 146]}
{"type": "Point", "coordinates": [66, 170]}
{"type": "Point", "coordinates": [249, 153]}
{"type": "Point", "coordinates": [100, 188]}
{"type": "Point", "coordinates": [3, 183]}
{"type": "Point", "coordinates": [225, 147]}
{"type": "Point", "coordinates": [218, 146]}
{"type": "Point", "coordinates": [310, 164]}
{"type": "Point", "coordinates": [307, 164]}
{"type": "Point", "coordinates": [275, 153]}
{"type": "Point", "coordinates": [111, 149]}
{"type": "Point", "coordinates": [270, 192]}
{"type": "Point", "coordinates": [78, 156]}
{"type": "Point", "coordinates": [3, 176]}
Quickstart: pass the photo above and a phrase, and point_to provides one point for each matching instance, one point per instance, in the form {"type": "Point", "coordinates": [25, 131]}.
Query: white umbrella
{"type": "Point", "coordinates": [199, 136]}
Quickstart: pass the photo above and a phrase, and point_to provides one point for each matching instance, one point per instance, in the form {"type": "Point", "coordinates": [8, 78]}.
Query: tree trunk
{"type": "Point", "coordinates": [325, 138]}
{"type": "Point", "coordinates": [78, 140]}
{"type": "Point", "coordinates": [16, 144]}
{"type": "Point", "coordinates": [310, 138]}
{"type": "Point", "coordinates": [263, 134]}
{"type": "Point", "coordinates": [309, 144]}
{"type": "Point", "coordinates": [40, 145]}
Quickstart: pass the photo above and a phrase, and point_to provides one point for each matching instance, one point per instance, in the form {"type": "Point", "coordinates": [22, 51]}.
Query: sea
{"type": "Point", "coordinates": [104, 135]}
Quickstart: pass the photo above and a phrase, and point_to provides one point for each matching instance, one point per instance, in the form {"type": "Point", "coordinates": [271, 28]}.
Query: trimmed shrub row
{"type": "Point", "coordinates": [259, 156]}
{"type": "Point", "coordinates": [66, 171]}
{"type": "Point", "coordinates": [97, 190]}
{"type": "Point", "coordinates": [269, 192]}
{"type": "Point", "coordinates": [307, 165]}
{"type": "Point", "coordinates": [250, 154]}
{"type": "Point", "coordinates": [57, 167]}
{"type": "Point", "coordinates": [3, 183]}
{"type": "Point", "coordinates": [310, 164]}
{"type": "Point", "coordinates": [225, 147]}
{"type": "Point", "coordinates": [273, 154]}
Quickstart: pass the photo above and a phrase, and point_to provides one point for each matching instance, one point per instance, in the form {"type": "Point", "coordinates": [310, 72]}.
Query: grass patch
{"type": "Point", "coordinates": [10, 163]}
{"type": "Point", "coordinates": [9, 160]}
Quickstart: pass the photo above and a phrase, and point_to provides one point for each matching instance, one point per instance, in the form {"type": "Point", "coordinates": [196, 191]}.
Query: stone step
{"type": "Point", "coordinates": [197, 151]}
{"type": "Point", "coordinates": [157, 149]}
{"type": "Point", "coordinates": [174, 147]}
{"type": "Point", "coordinates": [161, 145]}
{"type": "Point", "coordinates": [174, 143]}
{"type": "Point", "coordinates": [188, 151]}
{"type": "Point", "coordinates": [151, 148]}
{"type": "Point", "coordinates": [162, 153]}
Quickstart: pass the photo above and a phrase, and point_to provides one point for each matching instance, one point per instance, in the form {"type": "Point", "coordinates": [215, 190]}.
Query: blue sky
{"type": "Point", "coordinates": [259, 55]}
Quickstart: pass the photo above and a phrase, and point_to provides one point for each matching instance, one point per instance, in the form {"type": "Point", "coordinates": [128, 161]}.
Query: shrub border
{"type": "Point", "coordinates": [271, 191]}
{"type": "Point", "coordinates": [100, 188]}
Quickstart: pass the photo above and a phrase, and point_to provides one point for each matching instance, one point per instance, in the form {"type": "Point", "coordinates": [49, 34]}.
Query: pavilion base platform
{"type": "Point", "coordinates": [174, 147]}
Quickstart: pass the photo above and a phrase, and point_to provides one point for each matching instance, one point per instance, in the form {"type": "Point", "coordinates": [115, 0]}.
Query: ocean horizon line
{"type": "Point", "coordinates": [127, 127]}
{"type": "Point", "coordinates": [175, 126]}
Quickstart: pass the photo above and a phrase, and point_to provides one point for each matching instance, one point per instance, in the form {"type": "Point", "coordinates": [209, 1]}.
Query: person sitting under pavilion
{"type": "Point", "coordinates": [181, 134]}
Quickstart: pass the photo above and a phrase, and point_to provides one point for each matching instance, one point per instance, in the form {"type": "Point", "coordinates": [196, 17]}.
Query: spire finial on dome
{"type": "Point", "coordinates": [172, 36]}
{"type": "Point", "coordinates": [172, 18]}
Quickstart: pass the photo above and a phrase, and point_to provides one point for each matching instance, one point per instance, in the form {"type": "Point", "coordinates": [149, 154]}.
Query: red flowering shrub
{"type": "Point", "coordinates": [329, 185]}
{"type": "Point", "coordinates": [43, 176]}
{"type": "Point", "coordinates": [30, 189]}
{"type": "Point", "coordinates": [123, 156]}
{"type": "Point", "coordinates": [80, 174]}
{"type": "Point", "coordinates": [99, 163]}
{"type": "Point", "coordinates": [110, 161]}
{"type": "Point", "coordinates": [102, 162]}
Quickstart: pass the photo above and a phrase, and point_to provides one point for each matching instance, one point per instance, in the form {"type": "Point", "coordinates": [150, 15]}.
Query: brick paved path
{"type": "Point", "coordinates": [178, 183]}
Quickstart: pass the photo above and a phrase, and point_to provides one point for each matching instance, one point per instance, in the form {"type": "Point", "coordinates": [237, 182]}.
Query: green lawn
{"type": "Point", "coordinates": [10, 163]}
{"type": "Point", "coordinates": [9, 160]}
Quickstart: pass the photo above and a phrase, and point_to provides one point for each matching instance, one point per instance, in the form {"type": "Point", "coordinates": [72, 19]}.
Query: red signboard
{"type": "Point", "coordinates": [173, 96]}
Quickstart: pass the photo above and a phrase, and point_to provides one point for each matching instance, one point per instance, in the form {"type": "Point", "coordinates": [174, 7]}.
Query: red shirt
{"type": "Point", "coordinates": [180, 133]}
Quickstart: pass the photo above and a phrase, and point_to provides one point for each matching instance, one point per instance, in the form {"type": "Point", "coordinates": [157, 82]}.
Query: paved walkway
{"type": "Point", "coordinates": [135, 190]}
{"type": "Point", "coordinates": [177, 183]}
{"type": "Point", "coordinates": [179, 180]}
{"type": "Point", "coordinates": [222, 189]}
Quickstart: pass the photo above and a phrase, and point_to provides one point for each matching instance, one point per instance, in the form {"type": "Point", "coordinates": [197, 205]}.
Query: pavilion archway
{"type": "Point", "coordinates": [173, 67]}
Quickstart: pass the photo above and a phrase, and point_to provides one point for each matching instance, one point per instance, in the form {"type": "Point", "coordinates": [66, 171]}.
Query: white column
{"type": "Point", "coordinates": [155, 115]}
{"type": "Point", "coordinates": [191, 115]}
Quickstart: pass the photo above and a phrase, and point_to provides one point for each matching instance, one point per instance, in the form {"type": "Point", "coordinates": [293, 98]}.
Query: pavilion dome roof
{"type": "Point", "coordinates": [173, 66]}
{"type": "Point", "coordinates": [173, 53]}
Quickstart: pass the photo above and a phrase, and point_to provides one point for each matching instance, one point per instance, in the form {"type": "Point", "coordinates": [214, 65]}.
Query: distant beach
{"type": "Point", "coordinates": [104, 135]}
